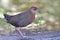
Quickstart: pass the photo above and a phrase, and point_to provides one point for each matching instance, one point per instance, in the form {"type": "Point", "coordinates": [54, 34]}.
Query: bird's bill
{"type": "Point", "coordinates": [37, 11]}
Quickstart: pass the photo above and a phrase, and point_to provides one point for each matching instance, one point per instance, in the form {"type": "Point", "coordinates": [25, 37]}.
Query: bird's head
{"type": "Point", "coordinates": [34, 9]}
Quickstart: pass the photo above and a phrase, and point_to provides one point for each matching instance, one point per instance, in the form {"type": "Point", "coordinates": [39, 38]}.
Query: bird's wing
{"type": "Point", "coordinates": [19, 17]}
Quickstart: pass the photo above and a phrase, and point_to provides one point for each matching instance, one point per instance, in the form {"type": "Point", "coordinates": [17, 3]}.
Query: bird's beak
{"type": "Point", "coordinates": [38, 11]}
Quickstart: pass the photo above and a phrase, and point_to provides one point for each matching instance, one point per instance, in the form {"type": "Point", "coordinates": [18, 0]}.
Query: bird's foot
{"type": "Point", "coordinates": [24, 36]}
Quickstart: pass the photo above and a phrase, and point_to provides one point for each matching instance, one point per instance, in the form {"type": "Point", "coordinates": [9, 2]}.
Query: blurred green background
{"type": "Point", "coordinates": [47, 20]}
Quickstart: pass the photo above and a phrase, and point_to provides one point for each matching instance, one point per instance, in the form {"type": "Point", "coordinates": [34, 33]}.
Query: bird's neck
{"type": "Point", "coordinates": [32, 17]}
{"type": "Point", "coordinates": [32, 14]}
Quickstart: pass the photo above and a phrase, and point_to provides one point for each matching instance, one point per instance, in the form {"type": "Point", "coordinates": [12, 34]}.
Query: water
{"type": "Point", "coordinates": [40, 36]}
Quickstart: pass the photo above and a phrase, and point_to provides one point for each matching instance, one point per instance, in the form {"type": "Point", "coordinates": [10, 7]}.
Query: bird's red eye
{"type": "Point", "coordinates": [35, 9]}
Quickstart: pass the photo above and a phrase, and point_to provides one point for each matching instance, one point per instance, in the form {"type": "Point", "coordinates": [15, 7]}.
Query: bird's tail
{"type": "Point", "coordinates": [7, 17]}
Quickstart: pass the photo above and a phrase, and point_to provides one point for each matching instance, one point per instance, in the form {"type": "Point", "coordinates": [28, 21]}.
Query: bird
{"type": "Point", "coordinates": [22, 19]}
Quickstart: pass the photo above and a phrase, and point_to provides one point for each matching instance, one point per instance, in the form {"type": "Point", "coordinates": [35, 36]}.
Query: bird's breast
{"type": "Point", "coordinates": [32, 17]}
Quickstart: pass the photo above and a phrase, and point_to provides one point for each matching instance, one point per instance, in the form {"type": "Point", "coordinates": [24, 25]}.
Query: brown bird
{"type": "Point", "coordinates": [23, 19]}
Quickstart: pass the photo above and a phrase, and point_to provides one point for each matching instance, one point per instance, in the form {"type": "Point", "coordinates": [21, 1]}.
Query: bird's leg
{"type": "Point", "coordinates": [19, 31]}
